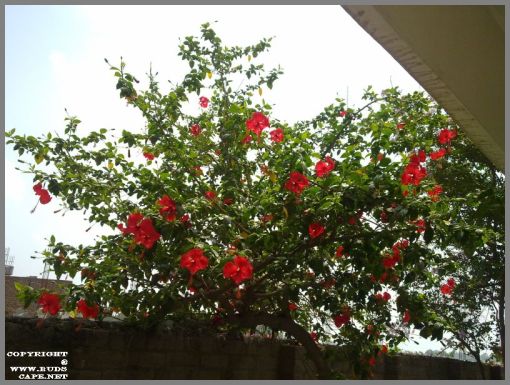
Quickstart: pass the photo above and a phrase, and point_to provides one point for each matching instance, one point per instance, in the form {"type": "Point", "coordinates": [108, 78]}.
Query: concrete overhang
{"type": "Point", "coordinates": [457, 54]}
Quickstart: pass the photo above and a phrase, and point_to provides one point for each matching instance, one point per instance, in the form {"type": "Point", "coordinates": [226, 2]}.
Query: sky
{"type": "Point", "coordinates": [54, 58]}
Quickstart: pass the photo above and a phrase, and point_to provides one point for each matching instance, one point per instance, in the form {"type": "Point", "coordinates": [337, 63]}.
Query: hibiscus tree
{"type": "Point", "coordinates": [233, 230]}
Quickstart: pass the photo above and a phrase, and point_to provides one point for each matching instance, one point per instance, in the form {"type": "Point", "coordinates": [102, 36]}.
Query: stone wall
{"type": "Point", "coordinates": [116, 351]}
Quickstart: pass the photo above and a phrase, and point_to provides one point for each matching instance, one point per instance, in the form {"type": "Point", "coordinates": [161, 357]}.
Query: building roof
{"type": "Point", "coordinates": [457, 54]}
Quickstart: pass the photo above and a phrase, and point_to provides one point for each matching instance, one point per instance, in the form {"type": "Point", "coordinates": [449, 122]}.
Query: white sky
{"type": "Point", "coordinates": [54, 60]}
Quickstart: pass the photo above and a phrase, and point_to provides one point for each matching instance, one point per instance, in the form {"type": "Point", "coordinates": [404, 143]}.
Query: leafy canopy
{"type": "Point", "coordinates": [228, 214]}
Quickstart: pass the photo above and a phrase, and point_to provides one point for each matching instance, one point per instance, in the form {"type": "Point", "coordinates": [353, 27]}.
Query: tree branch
{"type": "Point", "coordinates": [251, 320]}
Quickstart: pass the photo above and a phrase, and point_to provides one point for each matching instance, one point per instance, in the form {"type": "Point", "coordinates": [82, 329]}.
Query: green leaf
{"type": "Point", "coordinates": [426, 332]}
{"type": "Point", "coordinates": [429, 234]}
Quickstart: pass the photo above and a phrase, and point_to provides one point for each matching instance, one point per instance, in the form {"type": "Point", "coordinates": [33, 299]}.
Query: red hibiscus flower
{"type": "Point", "coordinates": [44, 195]}
{"type": "Point", "coordinates": [142, 229]}
{"type": "Point", "coordinates": [210, 195]}
{"type": "Point", "coordinates": [50, 303]}
{"type": "Point", "coordinates": [185, 218]}
{"type": "Point", "coordinates": [446, 290]}
{"type": "Point", "coordinates": [339, 251]}
{"type": "Point", "coordinates": [384, 349]}
{"type": "Point", "coordinates": [383, 296]}
{"type": "Point", "coordinates": [352, 220]}
{"type": "Point", "coordinates": [438, 154]}
{"type": "Point", "coordinates": [239, 270]}
{"type": "Point", "coordinates": [292, 306]}
{"type": "Point", "coordinates": [328, 283]}
{"type": "Point", "coordinates": [315, 230]}
{"type": "Point", "coordinates": [407, 316]}
{"type": "Point", "coordinates": [228, 201]}
{"type": "Point", "coordinates": [414, 172]}
{"type": "Point", "coordinates": [277, 135]}
{"type": "Point", "coordinates": [204, 102]}
{"type": "Point", "coordinates": [324, 167]}
{"type": "Point", "coordinates": [267, 218]}
{"type": "Point", "coordinates": [390, 261]}
{"type": "Point", "coordinates": [194, 260]}
{"type": "Point", "coordinates": [132, 224]}
{"type": "Point", "coordinates": [420, 224]}
{"type": "Point", "coordinates": [86, 310]}
{"type": "Point", "coordinates": [434, 193]}
{"type": "Point", "coordinates": [445, 136]}
{"type": "Point", "coordinates": [448, 287]}
{"type": "Point", "coordinates": [401, 126]}
{"type": "Point", "coordinates": [396, 251]}
{"type": "Point", "coordinates": [147, 234]}
{"type": "Point", "coordinates": [297, 182]}
{"type": "Point", "coordinates": [421, 157]}
{"type": "Point", "coordinates": [195, 129]}
{"type": "Point", "coordinates": [257, 123]}
{"type": "Point", "coordinates": [168, 208]}
{"type": "Point", "coordinates": [38, 188]}
{"type": "Point", "coordinates": [148, 155]}
{"type": "Point", "coordinates": [247, 139]}
{"type": "Point", "coordinates": [342, 113]}
{"type": "Point", "coordinates": [403, 244]}
{"type": "Point", "coordinates": [342, 319]}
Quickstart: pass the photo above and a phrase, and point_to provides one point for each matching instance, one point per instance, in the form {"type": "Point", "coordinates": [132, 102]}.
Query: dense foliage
{"type": "Point", "coordinates": [330, 230]}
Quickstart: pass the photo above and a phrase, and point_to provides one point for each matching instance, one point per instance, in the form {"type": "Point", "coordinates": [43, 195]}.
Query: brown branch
{"type": "Point", "coordinates": [251, 320]}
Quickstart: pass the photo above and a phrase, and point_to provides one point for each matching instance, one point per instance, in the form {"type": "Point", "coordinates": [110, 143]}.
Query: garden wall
{"type": "Point", "coordinates": [13, 307]}
{"type": "Point", "coordinates": [115, 351]}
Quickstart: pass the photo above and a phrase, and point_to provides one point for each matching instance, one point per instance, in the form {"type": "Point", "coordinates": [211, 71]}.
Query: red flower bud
{"type": "Point", "coordinates": [204, 102]}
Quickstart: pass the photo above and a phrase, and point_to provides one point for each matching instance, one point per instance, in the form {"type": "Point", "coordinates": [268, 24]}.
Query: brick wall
{"type": "Point", "coordinates": [13, 306]}
{"type": "Point", "coordinates": [116, 351]}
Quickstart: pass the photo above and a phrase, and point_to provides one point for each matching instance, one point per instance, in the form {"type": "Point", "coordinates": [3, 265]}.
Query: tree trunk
{"type": "Point", "coordinates": [286, 324]}
{"type": "Point", "coordinates": [480, 365]}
